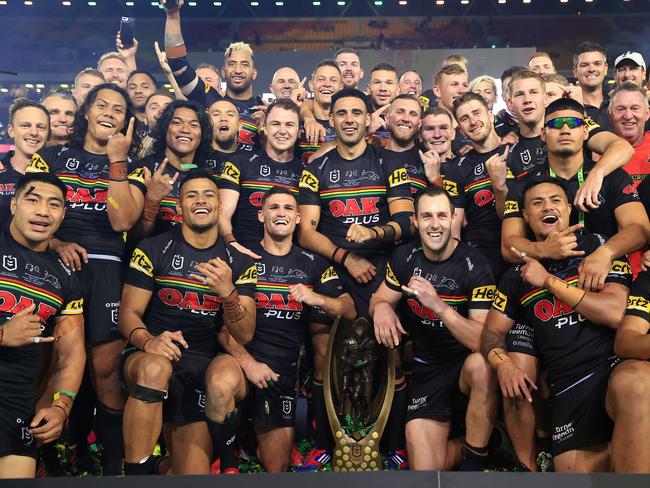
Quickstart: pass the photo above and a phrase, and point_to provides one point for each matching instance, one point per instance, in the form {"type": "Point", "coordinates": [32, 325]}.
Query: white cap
{"type": "Point", "coordinates": [632, 56]}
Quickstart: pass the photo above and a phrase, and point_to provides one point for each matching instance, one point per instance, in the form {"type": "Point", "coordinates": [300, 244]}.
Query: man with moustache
{"type": "Point", "coordinates": [62, 107]}
{"type": "Point", "coordinates": [382, 89]}
{"type": "Point", "coordinates": [153, 107]}
{"type": "Point", "coordinates": [225, 130]}
{"type": "Point", "coordinates": [140, 86]}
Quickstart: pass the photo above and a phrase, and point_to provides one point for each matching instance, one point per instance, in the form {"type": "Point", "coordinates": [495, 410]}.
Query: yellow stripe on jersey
{"type": "Point", "coordinates": [399, 177]}
{"type": "Point", "coordinates": [230, 173]}
{"type": "Point", "coordinates": [249, 276]}
{"type": "Point", "coordinates": [309, 181]}
{"type": "Point", "coordinates": [390, 276]}
{"type": "Point", "coordinates": [75, 307]}
{"type": "Point", "coordinates": [484, 293]}
{"type": "Point", "coordinates": [638, 303]}
{"type": "Point", "coordinates": [500, 301]}
{"type": "Point", "coordinates": [141, 262]}
{"type": "Point", "coordinates": [328, 275]}
{"type": "Point", "coordinates": [37, 165]}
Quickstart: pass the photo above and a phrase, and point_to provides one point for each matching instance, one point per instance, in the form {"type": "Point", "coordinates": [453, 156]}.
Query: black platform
{"type": "Point", "coordinates": [384, 479]}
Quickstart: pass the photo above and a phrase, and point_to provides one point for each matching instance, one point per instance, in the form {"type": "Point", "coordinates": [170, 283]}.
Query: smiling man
{"type": "Point", "coordinates": [62, 107]}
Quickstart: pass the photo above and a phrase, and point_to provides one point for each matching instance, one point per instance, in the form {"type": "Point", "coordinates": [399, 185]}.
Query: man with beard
{"type": "Point", "coordinates": [29, 128]}
{"type": "Point", "coordinates": [382, 89]}
{"type": "Point", "coordinates": [243, 183]}
{"type": "Point", "coordinates": [90, 240]}
{"type": "Point", "coordinates": [349, 65]}
{"type": "Point", "coordinates": [183, 287]}
{"type": "Point", "coordinates": [541, 63]}
{"type": "Point", "coordinates": [410, 83]}
{"type": "Point", "coordinates": [477, 180]}
{"type": "Point", "coordinates": [225, 128]}
{"type": "Point", "coordinates": [140, 86]}
{"type": "Point", "coordinates": [630, 67]}
{"type": "Point", "coordinates": [590, 69]}
{"type": "Point", "coordinates": [113, 68]}
{"type": "Point", "coordinates": [62, 107]}
{"type": "Point", "coordinates": [153, 107]}
{"type": "Point", "coordinates": [86, 80]}
{"type": "Point", "coordinates": [42, 304]}
{"type": "Point", "coordinates": [445, 318]}
{"type": "Point", "coordinates": [295, 290]}
{"type": "Point", "coordinates": [354, 209]}
{"type": "Point", "coordinates": [325, 82]}
{"type": "Point", "coordinates": [181, 141]}
{"type": "Point", "coordinates": [573, 327]}
{"type": "Point", "coordinates": [238, 71]}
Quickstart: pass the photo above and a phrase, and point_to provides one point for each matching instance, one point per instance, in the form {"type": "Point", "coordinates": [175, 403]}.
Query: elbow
{"type": "Point", "coordinates": [507, 253]}
{"type": "Point", "coordinates": [121, 223]}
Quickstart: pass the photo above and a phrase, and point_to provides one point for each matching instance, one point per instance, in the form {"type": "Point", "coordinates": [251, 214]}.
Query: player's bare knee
{"type": "Point", "coordinates": [480, 375]}
{"type": "Point", "coordinates": [155, 372]}
{"type": "Point", "coordinates": [629, 385]}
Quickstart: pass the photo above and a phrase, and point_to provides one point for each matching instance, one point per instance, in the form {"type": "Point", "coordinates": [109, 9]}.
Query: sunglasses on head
{"type": "Point", "coordinates": [559, 122]}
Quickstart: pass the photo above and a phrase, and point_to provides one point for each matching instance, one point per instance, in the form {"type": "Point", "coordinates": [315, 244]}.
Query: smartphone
{"type": "Point", "coordinates": [127, 31]}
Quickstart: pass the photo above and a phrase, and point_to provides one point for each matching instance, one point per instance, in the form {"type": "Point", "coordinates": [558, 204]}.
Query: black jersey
{"type": "Point", "coordinates": [638, 302]}
{"type": "Point", "coordinates": [504, 124]}
{"type": "Point", "coordinates": [411, 161]}
{"type": "Point", "coordinates": [353, 191]}
{"type": "Point", "coordinates": [463, 280]}
{"type": "Point", "coordinates": [168, 215]}
{"type": "Point", "coordinates": [86, 176]}
{"type": "Point", "coordinates": [530, 152]}
{"type": "Point", "coordinates": [162, 265]}
{"type": "Point", "coordinates": [568, 343]}
{"type": "Point", "coordinates": [470, 187]}
{"type": "Point", "coordinates": [252, 178]}
{"type": "Point", "coordinates": [617, 190]}
{"type": "Point", "coordinates": [215, 160]}
{"type": "Point", "coordinates": [31, 278]}
{"type": "Point", "coordinates": [307, 149]}
{"type": "Point", "coordinates": [281, 320]}
{"type": "Point", "coordinates": [8, 179]}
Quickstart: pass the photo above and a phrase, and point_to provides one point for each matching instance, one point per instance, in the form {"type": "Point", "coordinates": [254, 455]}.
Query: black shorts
{"type": "Point", "coordinates": [15, 438]}
{"type": "Point", "coordinates": [579, 416]}
{"type": "Point", "coordinates": [274, 406]}
{"type": "Point", "coordinates": [101, 280]}
{"type": "Point", "coordinates": [433, 390]}
{"type": "Point", "coordinates": [185, 400]}
{"type": "Point", "coordinates": [361, 294]}
{"type": "Point", "coordinates": [521, 338]}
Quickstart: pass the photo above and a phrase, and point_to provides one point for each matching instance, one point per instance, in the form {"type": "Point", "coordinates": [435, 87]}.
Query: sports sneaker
{"type": "Point", "coordinates": [317, 459]}
{"type": "Point", "coordinates": [398, 460]}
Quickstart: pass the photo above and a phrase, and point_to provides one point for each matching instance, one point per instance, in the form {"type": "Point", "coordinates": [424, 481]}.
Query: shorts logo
{"type": "Point", "coordinates": [328, 275]}
{"type": "Point", "coordinates": [450, 187]}
{"type": "Point", "coordinates": [286, 407]}
{"type": "Point", "coordinates": [10, 263]}
{"type": "Point", "coordinates": [140, 262]}
{"type": "Point", "coordinates": [230, 173]}
{"type": "Point", "coordinates": [177, 262]}
{"type": "Point", "coordinates": [115, 315]}
{"type": "Point", "coordinates": [638, 303]}
{"type": "Point", "coordinates": [525, 156]}
{"type": "Point", "coordinates": [265, 170]}
{"type": "Point", "coordinates": [390, 276]}
{"type": "Point", "coordinates": [308, 181]}
{"type": "Point", "coordinates": [200, 399]}
{"type": "Point", "coordinates": [500, 301]}
{"type": "Point", "coordinates": [335, 176]}
{"type": "Point", "coordinates": [267, 409]}
{"type": "Point", "coordinates": [484, 293]}
{"type": "Point", "coordinates": [249, 276]}
{"type": "Point", "coordinates": [399, 177]}
{"type": "Point", "coordinates": [261, 268]}
{"type": "Point", "coordinates": [511, 206]}
{"type": "Point", "coordinates": [25, 434]}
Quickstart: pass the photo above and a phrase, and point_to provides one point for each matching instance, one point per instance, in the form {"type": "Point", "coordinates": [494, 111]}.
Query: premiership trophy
{"type": "Point", "coordinates": [358, 382]}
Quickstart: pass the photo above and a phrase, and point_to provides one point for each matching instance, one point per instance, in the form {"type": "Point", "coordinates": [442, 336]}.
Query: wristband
{"type": "Point", "coordinates": [376, 234]}
{"type": "Point", "coordinates": [150, 211]}
{"type": "Point", "coordinates": [63, 409]}
{"type": "Point", "coordinates": [333, 258]}
{"type": "Point", "coordinates": [345, 256]}
{"type": "Point", "coordinates": [339, 255]}
{"type": "Point", "coordinates": [232, 309]}
{"type": "Point", "coordinates": [131, 333]}
{"type": "Point", "coordinates": [564, 291]}
{"type": "Point", "coordinates": [389, 233]}
{"type": "Point", "coordinates": [118, 171]}
{"type": "Point", "coordinates": [67, 393]}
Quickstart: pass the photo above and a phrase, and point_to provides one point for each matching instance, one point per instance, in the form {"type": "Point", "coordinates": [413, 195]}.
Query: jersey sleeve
{"type": "Point", "coordinates": [308, 187]}
{"type": "Point", "coordinates": [480, 282]}
{"type": "Point", "coordinates": [43, 161]}
{"type": "Point", "coordinates": [203, 94]}
{"type": "Point", "coordinates": [638, 302]}
{"type": "Point", "coordinates": [391, 280]}
{"type": "Point", "coordinates": [327, 283]}
{"type": "Point", "coordinates": [231, 175]}
{"type": "Point", "coordinates": [244, 275]}
{"type": "Point", "coordinates": [141, 266]}
{"type": "Point", "coordinates": [398, 183]}
{"type": "Point", "coordinates": [73, 299]}
{"type": "Point", "coordinates": [620, 273]}
{"type": "Point", "coordinates": [593, 128]}
{"type": "Point", "coordinates": [620, 189]}
{"type": "Point", "coordinates": [136, 178]}
{"type": "Point", "coordinates": [452, 183]}
{"type": "Point", "coordinates": [506, 299]}
{"type": "Point", "coordinates": [512, 207]}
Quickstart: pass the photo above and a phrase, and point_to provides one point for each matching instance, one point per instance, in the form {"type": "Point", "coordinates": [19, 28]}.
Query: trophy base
{"type": "Point", "coordinates": [352, 455]}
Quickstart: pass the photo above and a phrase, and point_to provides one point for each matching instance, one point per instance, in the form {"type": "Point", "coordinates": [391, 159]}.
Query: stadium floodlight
{"type": "Point", "coordinates": [3, 2]}
{"type": "Point", "coordinates": [279, 4]}
{"type": "Point", "coordinates": [66, 3]}
{"type": "Point", "coordinates": [316, 3]}
{"type": "Point", "coordinates": [28, 2]}
{"type": "Point", "coordinates": [464, 2]}
{"type": "Point", "coordinates": [341, 3]}
{"type": "Point", "coordinates": [216, 4]}
{"type": "Point", "coordinates": [129, 4]}
{"type": "Point", "coordinates": [402, 2]}
{"type": "Point", "coordinates": [440, 2]}
{"type": "Point", "coordinates": [255, 4]}
{"type": "Point", "coordinates": [502, 2]}
{"type": "Point", "coordinates": [379, 3]}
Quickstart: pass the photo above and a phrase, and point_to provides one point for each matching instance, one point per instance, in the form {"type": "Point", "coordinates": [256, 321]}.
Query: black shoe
{"type": "Point", "coordinates": [471, 461]}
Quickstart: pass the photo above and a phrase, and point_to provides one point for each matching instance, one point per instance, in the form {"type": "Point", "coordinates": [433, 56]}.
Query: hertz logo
{"type": "Point", "coordinates": [450, 187]}
{"type": "Point", "coordinates": [620, 267]}
{"type": "Point", "coordinates": [399, 177]}
{"type": "Point", "coordinates": [230, 173]}
{"type": "Point", "coordinates": [309, 181]}
{"type": "Point", "coordinates": [75, 307]}
{"type": "Point", "coordinates": [484, 293]}
{"type": "Point", "coordinates": [137, 175]}
{"type": "Point", "coordinates": [37, 165]}
{"type": "Point", "coordinates": [390, 276]}
{"type": "Point", "coordinates": [511, 206]}
{"type": "Point", "coordinates": [328, 275]}
{"type": "Point", "coordinates": [500, 301]}
{"type": "Point", "coordinates": [140, 262]}
{"type": "Point", "coordinates": [249, 276]}
{"type": "Point", "coordinates": [638, 303]}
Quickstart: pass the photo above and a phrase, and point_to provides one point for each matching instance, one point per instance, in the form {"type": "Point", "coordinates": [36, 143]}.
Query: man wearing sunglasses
{"type": "Point", "coordinates": [620, 215]}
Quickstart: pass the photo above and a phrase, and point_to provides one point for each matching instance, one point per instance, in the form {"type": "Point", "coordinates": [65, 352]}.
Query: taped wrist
{"type": "Point", "coordinates": [118, 171]}
{"type": "Point", "coordinates": [148, 395]}
{"type": "Point", "coordinates": [232, 308]}
{"type": "Point", "coordinates": [570, 295]}
{"type": "Point", "coordinates": [403, 219]}
{"type": "Point", "coordinates": [177, 64]}
{"type": "Point", "coordinates": [150, 211]}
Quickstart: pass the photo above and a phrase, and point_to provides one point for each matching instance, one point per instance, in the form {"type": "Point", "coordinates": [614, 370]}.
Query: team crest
{"type": "Point", "coordinates": [10, 263]}
{"type": "Point", "coordinates": [286, 407]}
{"type": "Point", "coordinates": [417, 272]}
{"type": "Point", "coordinates": [115, 315]}
{"type": "Point", "coordinates": [72, 164]}
{"type": "Point", "coordinates": [265, 170]}
{"type": "Point", "coordinates": [177, 262]}
{"type": "Point", "coordinates": [525, 156]}
{"type": "Point", "coordinates": [261, 268]}
{"type": "Point", "coordinates": [335, 176]}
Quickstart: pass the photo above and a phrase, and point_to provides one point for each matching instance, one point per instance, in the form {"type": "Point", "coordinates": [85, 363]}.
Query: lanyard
{"type": "Point", "coordinates": [581, 180]}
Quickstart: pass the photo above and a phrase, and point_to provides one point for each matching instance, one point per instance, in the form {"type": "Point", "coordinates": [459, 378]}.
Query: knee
{"type": "Point", "coordinates": [480, 375]}
{"type": "Point", "coordinates": [629, 385]}
{"type": "Point", "coordinates": [221, 389]}
{"type": "Point", "coordinates": [155, 372]}
{"type": "Point", "coordinates": [275, 465]}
